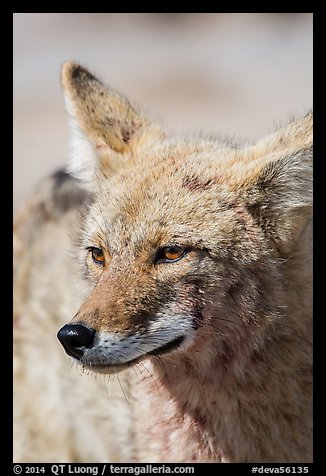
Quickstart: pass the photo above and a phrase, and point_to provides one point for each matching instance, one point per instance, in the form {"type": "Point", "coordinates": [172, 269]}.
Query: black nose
{"type": "Point", "coordinates": [75, 338]}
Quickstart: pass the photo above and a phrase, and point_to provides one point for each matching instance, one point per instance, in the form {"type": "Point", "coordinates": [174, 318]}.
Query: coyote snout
{"type": "Point", "coordinates": [108, 353]}
{"type": "Point", "coordinates": [76, 338]}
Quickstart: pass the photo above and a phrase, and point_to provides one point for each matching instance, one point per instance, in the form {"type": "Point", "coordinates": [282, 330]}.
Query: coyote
{"type": "Point", "coordinates": [195, 298]}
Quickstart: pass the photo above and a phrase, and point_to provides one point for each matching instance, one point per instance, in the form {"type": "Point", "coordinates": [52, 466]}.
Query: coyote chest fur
{"type": "Point", "coordinates": [197, 258]}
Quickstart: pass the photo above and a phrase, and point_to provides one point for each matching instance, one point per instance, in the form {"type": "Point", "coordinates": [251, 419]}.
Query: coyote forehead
{"type": "Point", "coordinates": [186, 192]}
{"type": "Point", "coordinates": [171, 201]}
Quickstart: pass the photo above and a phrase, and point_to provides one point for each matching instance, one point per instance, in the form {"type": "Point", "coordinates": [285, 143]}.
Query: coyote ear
{"type": "Point", "coordinates": [280, 195]}
{"type": "Point", "coordinates": [106, 128]}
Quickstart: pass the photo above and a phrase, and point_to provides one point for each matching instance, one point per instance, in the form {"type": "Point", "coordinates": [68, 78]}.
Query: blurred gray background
{"type": "Point", "coordinates": [230, 73]}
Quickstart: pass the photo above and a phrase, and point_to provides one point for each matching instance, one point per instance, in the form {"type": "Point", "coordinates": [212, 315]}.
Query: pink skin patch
{"type": "Point", "coordinates": [195, 185]}
{"type": "Point", "coordinates": [100, 146]}
{"type": "Point", "coordinates": [192, 302]}
{"type": "Point", "coordinates": [247, 222]}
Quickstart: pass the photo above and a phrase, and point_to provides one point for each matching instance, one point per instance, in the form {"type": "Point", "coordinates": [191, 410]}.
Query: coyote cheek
{"type": "Point", "coordinates": [192, 303]}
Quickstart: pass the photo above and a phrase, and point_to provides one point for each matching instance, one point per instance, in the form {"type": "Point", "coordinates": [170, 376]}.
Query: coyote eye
{"type": "Point", "coordinates": [171, 253]}
{"type": "Point", "coordinates": [97, 255]}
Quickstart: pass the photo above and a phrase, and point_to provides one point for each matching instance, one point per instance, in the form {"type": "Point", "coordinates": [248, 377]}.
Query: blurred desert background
{"type": "Point", "coordinates": [223, 73]}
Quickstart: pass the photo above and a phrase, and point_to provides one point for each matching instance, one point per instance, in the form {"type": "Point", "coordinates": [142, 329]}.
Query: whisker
{"type": "Point", "coordinates": [106, 387]}
{"type": "Point", "coordinates": [150, 374]}
{"type": "Point", "coordinates": [228, 320]}
{"type": "Point", "coordinates": [122, 388]}
{"type": "Point", "coordinates": [135, 371]}
{"type": "Point", "coordinates": [158, 358]}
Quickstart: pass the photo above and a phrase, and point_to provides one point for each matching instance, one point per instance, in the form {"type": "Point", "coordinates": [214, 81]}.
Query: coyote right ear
{"type": "Point", "coordinates": [106, 128]}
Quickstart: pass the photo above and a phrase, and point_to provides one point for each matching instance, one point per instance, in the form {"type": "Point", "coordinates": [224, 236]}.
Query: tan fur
{"type": "Point", "coordinates": [238, 387]}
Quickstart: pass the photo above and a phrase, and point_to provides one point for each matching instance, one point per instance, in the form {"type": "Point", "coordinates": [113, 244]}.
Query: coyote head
{"type": "Point", "coordinates": [185, 241]}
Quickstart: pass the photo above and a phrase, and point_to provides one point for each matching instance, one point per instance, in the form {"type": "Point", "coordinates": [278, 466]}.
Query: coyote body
{"type": "Point", "coordinates": [197, 259]}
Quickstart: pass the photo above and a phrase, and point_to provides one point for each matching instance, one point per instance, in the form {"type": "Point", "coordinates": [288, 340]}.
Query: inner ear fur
{"type": "Point", "coordinates": [106, 128]}
{"type": "Point", "coordinates": [280, 195]}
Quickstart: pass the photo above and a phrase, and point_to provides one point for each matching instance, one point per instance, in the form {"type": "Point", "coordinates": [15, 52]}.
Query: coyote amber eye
{"type": "Point", "coordinates": [97, 256]}
{"type": "Point", "coordinates": [172, 253]}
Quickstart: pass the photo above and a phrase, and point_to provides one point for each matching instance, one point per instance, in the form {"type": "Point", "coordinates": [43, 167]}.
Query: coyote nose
{"type": "Point", "coordinates": [74, 338]}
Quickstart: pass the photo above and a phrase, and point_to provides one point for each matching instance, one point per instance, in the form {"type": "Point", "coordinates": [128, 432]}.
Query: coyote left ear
{"type": "Point", "coordinates": [106, 128]}
{"type": "Point", "coordinates": [279, 194]}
